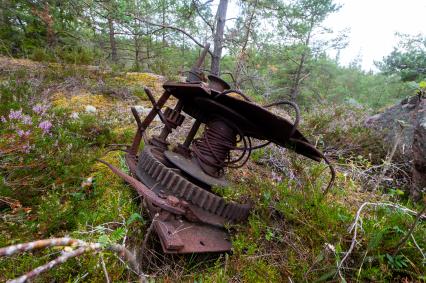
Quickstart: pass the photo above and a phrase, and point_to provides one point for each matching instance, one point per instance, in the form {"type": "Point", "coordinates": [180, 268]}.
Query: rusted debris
{"type": "Point", "coordinates": [175, 183]}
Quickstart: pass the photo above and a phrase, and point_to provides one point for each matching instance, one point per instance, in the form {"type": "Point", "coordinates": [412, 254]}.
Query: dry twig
{"type": "Point", "coordinates": [358, 224]}
{"type": "Point", "coordinates": [82, 248]}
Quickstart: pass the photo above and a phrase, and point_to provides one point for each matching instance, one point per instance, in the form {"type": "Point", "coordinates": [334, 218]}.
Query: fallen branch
{"type": "Point", "coordinates": [51, 264]}
{"type": "Point", "coordinates": [40, 244]}
{"type": "Point", "coordinates": [81, 248]}
{"type": "Point", "coordinates": [410, 232]}
{"type": "Point", "coordinates": [358, 223]}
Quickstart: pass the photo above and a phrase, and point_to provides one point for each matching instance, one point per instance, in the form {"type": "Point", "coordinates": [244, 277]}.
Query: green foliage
{"type": "Point", "coordinates": [408, 59]}
{"type": "Point", "coordinates": [53, 176]}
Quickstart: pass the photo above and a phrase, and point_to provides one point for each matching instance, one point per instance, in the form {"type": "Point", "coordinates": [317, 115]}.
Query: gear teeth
{"type": "Point", "coordinates": [175, 189]}
{"type": "Point", "coordinates": [181, 191]}
{"type": "Point", "coordinates": [221, 207]}
{"type": "Point", "coordinates": [214, 205]}
{"type": "Point", "coordinates": [186, 190]}
{"type": "Point", "coordinates": [173, 183]}
{"type": "Point", "coordinates": [225, 211]}
{"type": "Point", "coordinates": [152, 169]}
{"type": "Point", "coordinates": [209, 202]}
{"type": "Point", "coordinates": [203, 199]}
{"type": "Point", "coordinates": [166, 178]}
{"type": "Point", "coordinates": [177, 185]}
{"type": "Point", "coordinates": [188, 194]}
{"type": "Point", "coordinates": [161, 175]}
{"type": "Point", "coordinates": [197, 198]}
{"type": "Point", "coordinates": [156, 173]}
{"type": "Point", "coordinates": [148, 165]}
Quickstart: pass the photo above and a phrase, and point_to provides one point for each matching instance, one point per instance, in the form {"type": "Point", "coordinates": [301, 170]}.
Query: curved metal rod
{"type": "Point", "coordinates": [330, 166]}
{"type": "Point", "coordinates": [231, 75]}
{"type": "Point", "coordinates": [295, 125]}
{"type": "Point", "coordinates": [296, 109]}
{"type": "Point", "coordinates": [143, 190]}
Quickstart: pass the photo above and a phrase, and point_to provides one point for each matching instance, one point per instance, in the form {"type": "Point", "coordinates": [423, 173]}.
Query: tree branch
{"type": "Point", "coordinates": [82, 248]}
{"type": "Point", "coordinates": [173, 28]}
{"type": "Point", "coordinates": [358, 224]}
{"type": "Point", "coordinates": [197, 10]}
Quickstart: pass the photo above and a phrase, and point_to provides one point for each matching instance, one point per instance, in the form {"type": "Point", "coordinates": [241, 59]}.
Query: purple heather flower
{"type": "Point", "coordinates": [40, 109]}
{"type": "Point", "coordinates": [26, 148]}
{"type": "Point", "coordinates": [26, 119]}
{"type": "Point", "coordinates": [3, 119]}
{"type": "Point", "coordinates": [15, 114]}
{"type": "Point", "coordinates": [22, 133]}
{"type": "Point", "coordinates": [45, 126]}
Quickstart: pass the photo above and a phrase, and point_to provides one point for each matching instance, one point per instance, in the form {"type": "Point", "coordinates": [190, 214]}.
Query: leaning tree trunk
{"type": "Point", "coordinates": [295, 89]}
{"type": "Point", "coordinates": [112, 42]}
{"type": "Point", "coordinates": [243, 54]}
{"type": "Point", "coordinates": [218, 36]}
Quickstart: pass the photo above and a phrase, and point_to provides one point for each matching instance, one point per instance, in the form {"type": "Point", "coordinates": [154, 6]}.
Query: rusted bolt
{"type": "Point", "coordinates": [172, 200]}
{"type": "Point", "coordinates": [184, 203]}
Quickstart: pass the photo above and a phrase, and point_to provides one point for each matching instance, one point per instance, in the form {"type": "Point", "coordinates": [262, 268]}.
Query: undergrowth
{"type": "Point", "coordinates": [52, 186]}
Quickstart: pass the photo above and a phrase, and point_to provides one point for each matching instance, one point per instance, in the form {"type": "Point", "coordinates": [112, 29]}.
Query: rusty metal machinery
{"type": "Point", "coordinates": [176, 183]}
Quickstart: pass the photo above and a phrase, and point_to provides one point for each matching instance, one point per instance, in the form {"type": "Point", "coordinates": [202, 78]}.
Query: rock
{"type": "Point", "coordinates": [372, 119]}
{"type": "Point", "coordinates": [90, 109]}
{"type": "Point", "coordinates": [397, 122]}
{"type": "Point", "coordinates": [74, 115]}
{"type": "Point", "coordinates": [143, 111]}
{"type": "Point", "coordinates": [405, 123]}
{"type": "Point", "coordinates": [419, 153]}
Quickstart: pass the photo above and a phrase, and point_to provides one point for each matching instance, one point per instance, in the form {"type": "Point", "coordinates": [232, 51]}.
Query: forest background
{"type": "Point", "coordinates": [69, 72]}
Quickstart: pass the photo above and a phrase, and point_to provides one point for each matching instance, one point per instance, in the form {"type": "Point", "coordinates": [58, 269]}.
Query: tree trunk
{"type": "Point", "coordinates": [163, 21]}
{"type": "Point", "coordinates": [243, 56]}
{"type": "Point", "coordinates": [218, 36]}
{"type": "Point", "coordinates": [46, 17]}
{"type": "Point", "coordinates": [137, 52]}
{"type": "Point", "coordinates": [112, 42]}
{"type": "Point", "coordinates": [295, 89]}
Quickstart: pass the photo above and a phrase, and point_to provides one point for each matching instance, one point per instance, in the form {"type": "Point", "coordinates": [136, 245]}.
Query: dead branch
{"type": "Point", "coordinates": [172, 28]}
{"type": "Point", "coordinates": [51, 264]}
{"type": "Point", "coordinates": [148, 233]}
{"type": "Point", "coordinates": [410, 232]}
{"type": "Point", "coordinates": [40, 244]}
{"type": "Point", "coordinates": [81, 248]}
{"type": "Point", "coordinates": [353, 228]}
{"type": "Point", "coordinates": [197, 9]}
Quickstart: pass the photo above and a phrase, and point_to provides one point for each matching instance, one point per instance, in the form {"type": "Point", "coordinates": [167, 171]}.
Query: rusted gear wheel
{"type": "Point", "coordinates": [165, 180]}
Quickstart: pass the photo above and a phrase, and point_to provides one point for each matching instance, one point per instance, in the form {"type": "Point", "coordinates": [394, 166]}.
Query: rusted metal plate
{"type": "Point", "coordinates": [190, 167]}
{"type": "Point", "coordinates": [180, 236]}
{"type": "Point", "coordinates": [253, 119]}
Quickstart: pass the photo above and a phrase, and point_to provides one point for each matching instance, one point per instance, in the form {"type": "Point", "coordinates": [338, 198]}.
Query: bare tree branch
{"type": "Point", "coordinates": [51, 264]}
{"type": "Point", "coordinates": [82, 248]}
{"type": "Point", "coordinates": [358, 223]}
{"type": "Point", "coordinates": [172, 28]}
{"type": "Point", "coordinates": [197, 10]}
